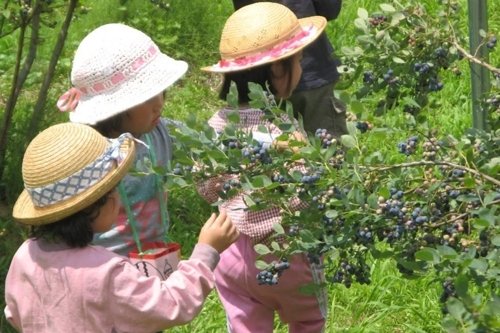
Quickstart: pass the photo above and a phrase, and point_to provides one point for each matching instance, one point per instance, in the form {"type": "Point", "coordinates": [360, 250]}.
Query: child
{"type": "Point", "coordinates": [119, 79]}
{"type": "Point", "coordinates": [267, 50]}
{"type": "Point", "coordinates": [57, 282]}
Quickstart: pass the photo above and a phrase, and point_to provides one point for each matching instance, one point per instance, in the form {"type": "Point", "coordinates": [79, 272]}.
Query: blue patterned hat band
{"type": "Point", "coordinates": [83, 179]}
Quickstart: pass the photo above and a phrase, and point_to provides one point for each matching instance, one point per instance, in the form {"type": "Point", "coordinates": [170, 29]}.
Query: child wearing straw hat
{"type": "Point", "coordinates": [57, 282]}
{"type": "Point", "coordinates": [266, 50]}
{"type": "Point", "coordinates": [119, 79]}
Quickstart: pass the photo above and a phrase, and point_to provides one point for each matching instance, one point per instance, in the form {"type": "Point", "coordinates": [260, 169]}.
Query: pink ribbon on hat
{"type": "Point", "coordinates": [69, 100]}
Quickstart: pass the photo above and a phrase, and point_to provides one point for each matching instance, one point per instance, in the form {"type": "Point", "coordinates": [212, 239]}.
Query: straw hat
{"type": "Point", "coordinates": [68, 167]}
{"type": "Point", "coordinates": [263, 32]}
{"type": "Point", "coordinates": [115, 68]}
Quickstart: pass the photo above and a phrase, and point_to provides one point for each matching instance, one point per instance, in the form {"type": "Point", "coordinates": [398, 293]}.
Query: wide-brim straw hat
{"type": "Point", "coordinates": [115, 68]}
{"type": "Point", "coordinates": [261, 33]}
{"type": "Point", "coordinates": [66, 168]}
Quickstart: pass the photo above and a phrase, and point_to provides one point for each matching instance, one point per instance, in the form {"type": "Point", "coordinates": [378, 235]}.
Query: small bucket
{"type": "Point", "coordinates": [157, 259]}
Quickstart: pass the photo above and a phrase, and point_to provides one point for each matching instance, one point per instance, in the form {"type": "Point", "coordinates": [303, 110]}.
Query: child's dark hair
{"type": "Point", "coordinates": [111, 125]}
{"type": "Point", "coordinates": [74, 230]}
{"type": "Point", "coordinates": [259, 75]}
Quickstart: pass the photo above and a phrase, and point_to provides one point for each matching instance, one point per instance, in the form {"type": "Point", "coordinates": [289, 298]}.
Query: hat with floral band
{"type": "Point", "coordinates": [115, 68]}
{"type": "Point", "coordinates": [66, 168]}
{"type": "Point", "coordinates": [263, 32]}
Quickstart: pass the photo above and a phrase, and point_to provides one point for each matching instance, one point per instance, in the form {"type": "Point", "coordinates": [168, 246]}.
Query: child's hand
{"type": "Point", "coordinates": [283, 145]}
{"type": "Point", "coordinates": [218, 232]}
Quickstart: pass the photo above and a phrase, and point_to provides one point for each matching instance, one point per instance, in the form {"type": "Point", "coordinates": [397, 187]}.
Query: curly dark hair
{"type": "Point", "coordinates": [74, 230]}
{"type": "Point", "coordinates": [259, 75]}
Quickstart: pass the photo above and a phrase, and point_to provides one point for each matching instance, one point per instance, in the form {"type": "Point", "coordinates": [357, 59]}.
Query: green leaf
{"type": "Point", "coordinates": [447, 252]}
{"type": "Point", "coordinates": [456, 308]}
{"type": "Point", "coordinates": [261, 249]}
{"type": "Point", "coordinates": [331, 214]}
{"type": "Point", "coordinates": [233, 117]}
{"type": "Point", "coordinates": [479, 265]}
{"type": "Point", "coordinates": [362, 13]}
{"type": "Point", "coordinates": [261, 181]}
{"type": "Point", "coordinates": [397, 17]}
{"type": "Point", "coordinates": [360, 23]}
{"type": "Point", "coordinates": [495, 240]}
{"type": "Point", "coordinates": [388, 8]}
{"type": "Point", "coordinates": [398, 60]}
{"type": "Point", "coordinates": [462, 285]}
{"type": "Point", "coordinates": [275, 246]}
{"type": "Point", "coordinates": [345, 97]}
{"type": "Point", "coordinates": [311, 288]}
{"type": "Point", "coordinates": [261, 264]}
{"type": "Point", "coordinates": [357, 107]}
{"type": "Point", "coordinates": [349, 141]}
{"type": "Point", "coordinates": [380, 34]}
{"type": "Point", "coordinates": [278, 228]}
{"type": "Point", "coordinates": [307, 236]}
{"type": "Point", "coordinates": [6, 13]}
{"type": "Point", "coordinates": [428, 254]}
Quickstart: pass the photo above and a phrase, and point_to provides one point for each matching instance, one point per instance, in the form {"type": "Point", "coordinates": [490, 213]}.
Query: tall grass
{"type": "Point", "coordinates": [190, 31]}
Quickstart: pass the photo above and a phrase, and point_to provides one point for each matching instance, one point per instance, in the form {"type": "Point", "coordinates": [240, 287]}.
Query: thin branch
{"type": "Point", "coordinates": [474, 59]}
{"type": "Point", "coordinates": [432, 163]}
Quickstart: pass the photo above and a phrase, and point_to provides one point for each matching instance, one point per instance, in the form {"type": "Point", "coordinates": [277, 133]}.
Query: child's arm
{"type": "Point", "coordinates": [143, 304]}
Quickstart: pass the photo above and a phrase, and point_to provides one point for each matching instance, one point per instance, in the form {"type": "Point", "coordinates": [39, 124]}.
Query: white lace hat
{"type": "Point", "coordinates": [115, 68]}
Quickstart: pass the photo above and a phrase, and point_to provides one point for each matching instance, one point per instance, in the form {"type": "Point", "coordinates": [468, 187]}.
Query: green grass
{"type": "Point", "coordinates": [190, 31]}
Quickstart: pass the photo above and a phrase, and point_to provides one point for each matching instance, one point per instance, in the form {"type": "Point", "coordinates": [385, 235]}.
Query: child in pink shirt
{"type": "Point", "coordinates": [57, 281]}
{"type": "Point", "coordinates": [262, 43]}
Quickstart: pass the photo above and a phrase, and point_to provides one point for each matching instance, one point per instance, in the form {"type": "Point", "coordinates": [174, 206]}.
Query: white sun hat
{"type": "Point", "coordinates": [116, 67]}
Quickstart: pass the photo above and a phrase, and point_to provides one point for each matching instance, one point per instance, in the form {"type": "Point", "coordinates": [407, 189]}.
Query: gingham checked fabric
{"type": "Point", "coordinates": [258, 225]}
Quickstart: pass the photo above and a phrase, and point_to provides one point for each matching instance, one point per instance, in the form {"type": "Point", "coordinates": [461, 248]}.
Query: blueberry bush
{"type": "Point", "coordinates": [429, 201]}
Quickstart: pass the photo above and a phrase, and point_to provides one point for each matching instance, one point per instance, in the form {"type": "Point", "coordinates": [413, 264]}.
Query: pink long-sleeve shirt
{"type": "Point", "coordinates": [53, 288]}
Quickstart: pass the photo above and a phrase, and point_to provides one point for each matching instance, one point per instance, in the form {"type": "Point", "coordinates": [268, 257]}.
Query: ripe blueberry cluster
{"type": "Point", "coordinates": [441, 53]}
{"type": "Point", "coordinates": [257, 153]}
{"type": "Point", "coordinates": [364, 126]}
{"type": "Point", "coordinates": [369, 77]}
{"type": "Point", "coordinates": [448, 291]}
{"type": "Point", "coordinates": [409, 146]}
{"type": "Point", "coordinates": [390, 78]}
{"type": "Point", "coordinates": [294, 230]}
{"type": "Point", "coordinates": [410, 109]}
{"type": "Point", "coordinates": [347, 271]}
{"type": "Point", "coordinates": [421, 67]}
{"type": "Point", "coordinates": [272, 274]}
{"type": "Point", "coordinates": [435, 84]}
{"type": "Point", "coordinates": [377, 20]}
{"type": "Point", "coordinates": [492, 42]}
{"type": "Point", "coordinates": [233, 183]}
{"type": "Point", "coordinates": [178, 169]}
{"type": "Point", "coordinates": [327, 139]}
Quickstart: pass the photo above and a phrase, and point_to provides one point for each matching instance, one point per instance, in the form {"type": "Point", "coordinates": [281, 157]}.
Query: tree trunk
{"type": "Point", "coordinates": [42, 95]}
{"type": "Point", "coordinates": [18, 79]}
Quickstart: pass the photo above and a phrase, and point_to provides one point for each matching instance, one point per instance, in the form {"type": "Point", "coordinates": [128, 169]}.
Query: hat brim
{"type": "Point", "coordinates": [27, 213]}
{"type": "Point", "coordinates": [319, 24]}
{"type": "Point", "coordinates": [156, 76]}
